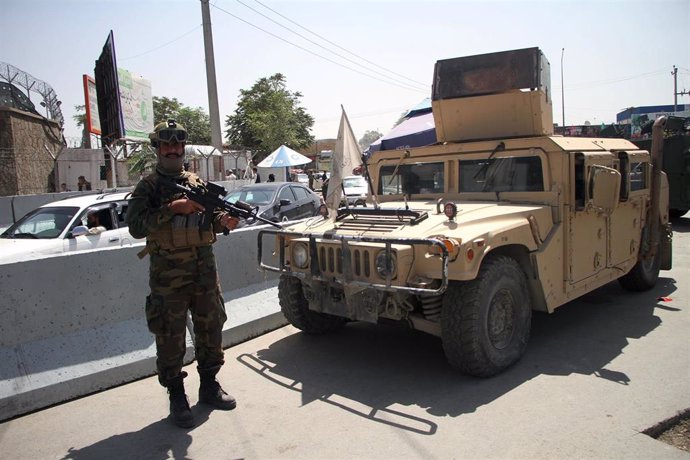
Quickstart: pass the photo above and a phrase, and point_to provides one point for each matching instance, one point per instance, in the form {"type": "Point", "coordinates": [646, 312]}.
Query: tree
{"type": "Point", "coordinates": [368, 138]}
{"type": "Point", "coordinates": [164, 108]}
{"type": "Point", "coordinates": [267, 116]}
{"type": "Point", "coordinates": [195, 120]}
{"type": "Point", "coordinates": [80, 119]}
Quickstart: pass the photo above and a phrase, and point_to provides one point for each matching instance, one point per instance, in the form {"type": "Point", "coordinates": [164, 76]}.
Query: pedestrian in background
{"type": "Point", "coordinates": [83, 184]}
{"type": "Point", "coordinates": [182, 275]}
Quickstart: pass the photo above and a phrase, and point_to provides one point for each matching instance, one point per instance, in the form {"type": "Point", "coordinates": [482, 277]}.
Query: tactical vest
{"type": "Point", "coordinates": [182, 231]}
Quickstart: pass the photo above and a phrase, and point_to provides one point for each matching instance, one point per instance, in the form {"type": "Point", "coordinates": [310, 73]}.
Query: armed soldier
{"type": "Point", "coordinates": [182, 274]}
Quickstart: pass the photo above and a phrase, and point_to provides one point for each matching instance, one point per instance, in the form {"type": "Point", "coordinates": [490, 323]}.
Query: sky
{"type": "Point", "coordinates": [375, 58]}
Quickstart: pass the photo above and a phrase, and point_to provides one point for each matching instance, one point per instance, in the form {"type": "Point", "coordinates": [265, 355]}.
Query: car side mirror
{"type": "Point", "coordinates": [80, 230]}
{"type": "Point", "coordinates": [604, 188]}
{"type": "Point", "coordinates": [284, 202]}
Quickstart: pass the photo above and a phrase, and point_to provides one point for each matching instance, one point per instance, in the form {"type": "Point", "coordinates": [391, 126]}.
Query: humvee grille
{"type": "Point", "coordinates": [331, 261]}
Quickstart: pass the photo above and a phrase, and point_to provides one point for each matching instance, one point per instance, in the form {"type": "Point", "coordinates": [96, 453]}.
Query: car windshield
{"type": "Point", "coordinates": [43, 223]}
{"type": "Point", "coordinates": [505, 174]}
{"type": "Point", "coordinates": [253, 196]}
{"type": "Point", "coordinates": [354, 182]}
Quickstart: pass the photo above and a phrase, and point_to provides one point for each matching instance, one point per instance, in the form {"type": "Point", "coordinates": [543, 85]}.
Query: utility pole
{"type": "Point", "coordinates": [562, 88]}
{"type": "Point", "coordinates": [675, 88]}
{"type": "Point", "coordinates": [214, 113]}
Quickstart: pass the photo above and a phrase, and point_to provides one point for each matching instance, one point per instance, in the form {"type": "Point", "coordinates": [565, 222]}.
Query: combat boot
{"type": "Point", "coordinates": [210, 391]}
{"type": "Point", "coordinates": [180, 412]}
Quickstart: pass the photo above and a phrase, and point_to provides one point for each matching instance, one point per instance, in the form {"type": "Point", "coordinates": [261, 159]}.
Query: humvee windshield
{"type": "Point", "coordinates": [411, 178]}
{"type": "Point", "coordinates": [505, 174]}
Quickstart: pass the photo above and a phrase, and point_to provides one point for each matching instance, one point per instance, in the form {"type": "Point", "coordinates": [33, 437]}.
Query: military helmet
{"type": "Point", "coordinates": [168, 131]}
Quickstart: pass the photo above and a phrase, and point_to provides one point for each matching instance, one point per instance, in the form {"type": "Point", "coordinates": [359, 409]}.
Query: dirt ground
{"type": "Point", "coordinates": [678, 435]}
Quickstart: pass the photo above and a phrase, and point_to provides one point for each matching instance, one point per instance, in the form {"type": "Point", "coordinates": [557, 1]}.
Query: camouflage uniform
{"type": "Point", "coordinates": [181, 279]}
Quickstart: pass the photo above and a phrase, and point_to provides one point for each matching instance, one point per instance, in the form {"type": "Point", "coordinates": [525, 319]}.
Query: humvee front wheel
{"type": "Point", "coordinates": [485, 323]}
{"type": "Point", "coordinates": [296, 309]}
{"type": "Point", "coordinates": [643, 275]}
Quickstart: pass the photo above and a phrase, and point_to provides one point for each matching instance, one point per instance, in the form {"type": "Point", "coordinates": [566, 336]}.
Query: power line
{"type": "Point", "coordinates": [618, 80]}
{"type": "Point", "coordinates": [316, 54]}
{"type": "Point", "coordinates": [321, 46]}
{"type": "Point", "coordinates": [338, 46]}
{"type": "Point", "coordinates": [163, 45]}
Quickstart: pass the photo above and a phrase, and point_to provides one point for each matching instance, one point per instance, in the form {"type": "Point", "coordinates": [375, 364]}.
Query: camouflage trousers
{"type": "Point", "coordinates": [182, 281]}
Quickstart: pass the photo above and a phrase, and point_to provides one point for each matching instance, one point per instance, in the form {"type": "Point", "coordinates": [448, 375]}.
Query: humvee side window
{"type": "Point", "coordinates": [505, 174]}
{"type": "Point", "coordinates": [638, 176]}
{"type": "Point", "coordinates": [411, 178]}
{"type": "Point", "coordinates": [623, 169]}
{"type": "Point", "coordinates": [579, 181]}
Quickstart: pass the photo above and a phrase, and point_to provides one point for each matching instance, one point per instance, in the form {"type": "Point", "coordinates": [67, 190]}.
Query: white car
{"type": "Point", "coordinates": [64, 226]}
{"type": "Point", "coordinates": [356, 190]}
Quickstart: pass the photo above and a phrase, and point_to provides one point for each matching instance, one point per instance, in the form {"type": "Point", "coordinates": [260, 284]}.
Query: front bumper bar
{"type": "Point", "coordinates": [315, 272]}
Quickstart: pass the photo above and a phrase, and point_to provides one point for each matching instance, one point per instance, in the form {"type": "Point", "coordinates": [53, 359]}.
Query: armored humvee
{"type": "Point", "coordinates": [467, 237]}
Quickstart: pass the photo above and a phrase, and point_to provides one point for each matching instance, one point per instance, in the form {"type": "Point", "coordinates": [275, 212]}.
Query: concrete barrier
{"type": "Point", "coordinates": [74, 324]}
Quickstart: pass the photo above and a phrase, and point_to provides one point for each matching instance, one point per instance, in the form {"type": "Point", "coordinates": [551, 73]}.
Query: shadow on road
{"type": "Point", "coordinates": [368, 370]}
{"type": "Point", "coordinates": [159, 440]}
{"type": "Point", "coordinates": [681, 224]}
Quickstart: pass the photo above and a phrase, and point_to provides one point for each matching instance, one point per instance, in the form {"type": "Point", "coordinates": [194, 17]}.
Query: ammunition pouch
{"type": "Point", "coordinates": [182, 232]}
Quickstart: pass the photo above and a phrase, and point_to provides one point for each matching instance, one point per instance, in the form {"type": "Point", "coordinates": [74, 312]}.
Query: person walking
{"type": "Point", "coordinates": [182, 274]}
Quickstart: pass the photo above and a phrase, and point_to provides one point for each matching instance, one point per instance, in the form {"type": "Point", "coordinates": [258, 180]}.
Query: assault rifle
{"type": "Point", "coordinates": [211, 197]}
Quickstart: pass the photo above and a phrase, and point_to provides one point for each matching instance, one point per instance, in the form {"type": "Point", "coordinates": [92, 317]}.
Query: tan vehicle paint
{"type": "Point", "coordinates": [563, 217]}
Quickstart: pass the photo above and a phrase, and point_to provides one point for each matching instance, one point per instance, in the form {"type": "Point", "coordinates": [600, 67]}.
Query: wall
{"type": "Point", "coordinates": [26, 165]}
{"type": "Point", "coordinates": [74, 324]}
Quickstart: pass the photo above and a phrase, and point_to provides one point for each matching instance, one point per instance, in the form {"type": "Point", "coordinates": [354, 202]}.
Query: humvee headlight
{"type": "Point", "coordinates": [300, 255]}
{"type": "Point", "coordinates": [386, 266]}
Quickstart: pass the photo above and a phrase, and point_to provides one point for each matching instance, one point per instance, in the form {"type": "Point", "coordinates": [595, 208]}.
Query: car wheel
{"type": "Point", "coordinates": [485, 323]}
{"type": "Point", "coordinates": [295, 307]}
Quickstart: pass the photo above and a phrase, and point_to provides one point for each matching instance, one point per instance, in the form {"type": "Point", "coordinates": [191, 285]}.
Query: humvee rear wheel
{"type": "Point", "coordinates": [296, 309]}
{"type": "Point", "coordinates": [643, 275]}
{"type": "Point", "coordinates": [485, 323]}
{"type": "Point", "coordinates": [676, 213]}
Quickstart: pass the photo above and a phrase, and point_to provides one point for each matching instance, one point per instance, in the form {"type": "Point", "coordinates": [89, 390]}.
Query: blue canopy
{"type": "Point", "coordinates": [283, 156]}
{"type": "Point", "coordinates": [416, 131]}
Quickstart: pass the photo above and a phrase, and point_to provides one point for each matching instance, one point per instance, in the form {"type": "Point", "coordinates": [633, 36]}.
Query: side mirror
{"type": "Point", "coordinates": [284, 202]}
{"type": "Point", "coordinates": [604, 188]}
{"type": "Point", "coordinates": [80, 230]}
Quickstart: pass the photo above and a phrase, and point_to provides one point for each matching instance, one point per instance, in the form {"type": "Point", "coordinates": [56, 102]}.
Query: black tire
{"type": "Point", "coordinates": [296, 309]}
{"type": "Point", "coordinates": [676, 213]}
{"type": "Point", "coordinates": [485, 323]}
{"type": "Point", "coordinates": [643, 275]}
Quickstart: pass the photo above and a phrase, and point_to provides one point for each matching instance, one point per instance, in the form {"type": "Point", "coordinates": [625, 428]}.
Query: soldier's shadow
{"type": "Point", "coordinates": [372, 370]}
{"type": "Point", "coordinates": [159, 440]}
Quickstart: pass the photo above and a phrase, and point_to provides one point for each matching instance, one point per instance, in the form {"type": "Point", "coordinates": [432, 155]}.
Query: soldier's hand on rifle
{"type": "Point", "coordinates": [185, 206]}
{"type": "Point", "coordinates": [229, 222]}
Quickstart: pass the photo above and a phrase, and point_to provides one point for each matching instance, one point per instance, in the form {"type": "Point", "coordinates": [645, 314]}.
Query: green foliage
{"type": "Point", "coordinates": [368, 138]}
{"type": "Point", "coordinates": [80, 116]}
{"type": "Point", "coordinates": [142, 161]}
{"type": "Point", "coordinates": [267, 116]}
{"type": "Point", "coordinates": [195, 120]}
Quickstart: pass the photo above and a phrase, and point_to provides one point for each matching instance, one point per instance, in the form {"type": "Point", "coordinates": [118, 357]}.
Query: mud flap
{"type": "Point", "coordinates": [666, 247]}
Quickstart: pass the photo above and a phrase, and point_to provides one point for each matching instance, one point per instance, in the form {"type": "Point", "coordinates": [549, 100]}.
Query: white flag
{"type": "Point", "coordinates": [346, 158]}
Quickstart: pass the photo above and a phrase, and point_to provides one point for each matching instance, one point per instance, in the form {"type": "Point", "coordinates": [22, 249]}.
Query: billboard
{"type": "Point", "coordinates": [108, 92]}
{"type": "Point", "coordinates": [93, 122]}
{"type": "Point", "coordinates": [137, 105]}
{"type": "Point", "coordinates": [124, 100]}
